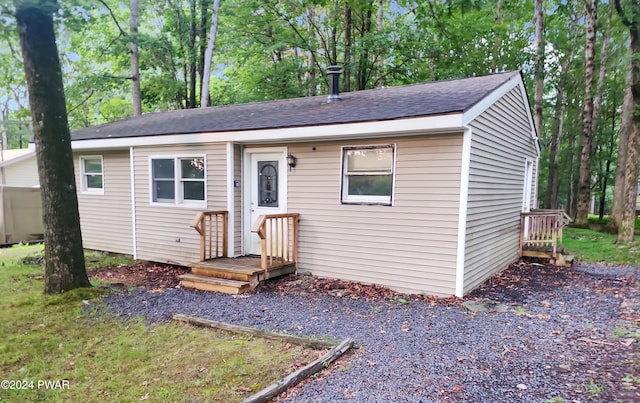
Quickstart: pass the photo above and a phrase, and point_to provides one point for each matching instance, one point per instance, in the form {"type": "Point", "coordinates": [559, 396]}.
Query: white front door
{"type": "Point", "coordinates": [266, 190]}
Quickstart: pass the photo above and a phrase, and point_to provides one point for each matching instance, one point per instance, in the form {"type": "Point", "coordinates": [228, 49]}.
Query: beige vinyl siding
{"type": "Point", "coordinates": [410, 246]}
{"type": "Point", "coordinates": [163, 232]}
{"type": "Point", "coordinates": [237, 199]}
{"type": "Point", "coordinates": [106, 219]}
{"type": "Point", "coordinates": [500, 144]}
{"type": "Point", "coordinates": [21, 173]}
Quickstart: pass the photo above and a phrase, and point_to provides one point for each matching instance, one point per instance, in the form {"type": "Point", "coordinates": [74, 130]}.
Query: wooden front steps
{"type": "Point", "coordinates": [546, 252]}
{"type": "Point", "coordinates": [231, 275]}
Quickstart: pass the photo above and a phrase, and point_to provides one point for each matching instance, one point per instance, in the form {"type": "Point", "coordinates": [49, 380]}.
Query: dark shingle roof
{"type": "Point", "coordinates": [435, 98]}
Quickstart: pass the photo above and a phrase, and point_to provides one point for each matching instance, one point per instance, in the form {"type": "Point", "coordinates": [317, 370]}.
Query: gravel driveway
{"type": "Point", "coordinates": [570, 334]}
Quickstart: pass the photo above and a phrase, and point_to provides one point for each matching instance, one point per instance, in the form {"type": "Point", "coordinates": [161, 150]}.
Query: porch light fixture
{"type": "Point", "coordinates": [291, 161]}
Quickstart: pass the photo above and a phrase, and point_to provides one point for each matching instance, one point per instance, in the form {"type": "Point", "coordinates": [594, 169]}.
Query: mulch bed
{"type": "Point", "coordinates": [156, 275]}
{"type": "Point", "coordinates": [153, 275]}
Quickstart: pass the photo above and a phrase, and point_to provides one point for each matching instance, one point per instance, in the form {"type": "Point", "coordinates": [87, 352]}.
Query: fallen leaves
{"type": "Point", "coordinates": [158, 276]}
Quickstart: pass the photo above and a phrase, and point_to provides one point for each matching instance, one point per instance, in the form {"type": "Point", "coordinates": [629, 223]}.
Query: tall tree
{"type": "Point", "coordinates": [630, 16]}
{"type": "Point", "coordinates": [348, 27]}
{"type": "Point", "coordinates": [135, 58]}
{"type": "Point", "coordinates": [379, 29]}
{"type": "Point", "coordinates": [587, 144]}
{"type": "Point", "coordinates": [64, 257]}
{"type": "Point", "coordinates": [597, 106]}
{"type": "Point", "coordinates": [311, 58]}
{"type": "Point", "coordinates": [625, 127]}
{"type": "Point", "coordinates": [192, 55]}
{"type": "Point", "coordinates": [206, 75]}
{"type": "Point", "coordinates": [539, 66]}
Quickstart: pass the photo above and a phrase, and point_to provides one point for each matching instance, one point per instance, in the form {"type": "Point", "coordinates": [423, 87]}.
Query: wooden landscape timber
{"type": "Point", "coordinates": [303, 373]}
{"type": "Point", "coordinates": [303, 341]}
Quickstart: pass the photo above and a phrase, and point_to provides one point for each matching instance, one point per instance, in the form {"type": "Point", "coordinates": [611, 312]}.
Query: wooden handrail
{"type": "Point", "coordinates": [542, 228]}
{"type": "Point", "coordinates": [213, 229]}
{"type": "Point", "coordinates": [279, 239]}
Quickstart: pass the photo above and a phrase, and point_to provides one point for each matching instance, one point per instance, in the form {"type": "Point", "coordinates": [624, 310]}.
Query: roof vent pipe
{"type": "Point", "coordinates": [334, 83]}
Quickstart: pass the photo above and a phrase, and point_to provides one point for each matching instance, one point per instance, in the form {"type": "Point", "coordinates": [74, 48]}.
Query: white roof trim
{"type": "Point", "coordinates": [421, 125]}
{"type": "Point", "coordinates": [496, 95]}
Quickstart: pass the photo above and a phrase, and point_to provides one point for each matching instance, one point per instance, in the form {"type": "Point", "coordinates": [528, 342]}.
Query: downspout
{"type": "Point", "coordinates": [133, 204]}
{"type": "Point", "coordinates": [462, 211]}
{"type": "Point", "coordinates": [230, 201]}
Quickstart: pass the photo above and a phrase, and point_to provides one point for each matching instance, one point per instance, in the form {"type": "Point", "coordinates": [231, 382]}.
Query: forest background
{"type": "Point", "coordinates": [123, 58]}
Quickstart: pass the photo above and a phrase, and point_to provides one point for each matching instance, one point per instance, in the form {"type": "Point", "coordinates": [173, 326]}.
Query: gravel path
{"type": "Point", "coordinates": [556, 339]}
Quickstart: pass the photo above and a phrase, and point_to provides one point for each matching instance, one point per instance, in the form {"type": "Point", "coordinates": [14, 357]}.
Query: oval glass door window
{"type": "Point", "coordinates": [268, 183]}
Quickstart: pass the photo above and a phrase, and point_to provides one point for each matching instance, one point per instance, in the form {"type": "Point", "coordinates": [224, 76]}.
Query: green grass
{"type": "Point", "coordinates": [51, 338]}
{"type": "Point", "coordinates": [592, 246]}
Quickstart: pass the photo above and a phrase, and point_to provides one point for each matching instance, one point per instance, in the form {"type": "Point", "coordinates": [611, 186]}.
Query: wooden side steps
{"type": "Point", "coordinates": [230, 275]}
{"type": "Point", "coordinates": [561, 259]}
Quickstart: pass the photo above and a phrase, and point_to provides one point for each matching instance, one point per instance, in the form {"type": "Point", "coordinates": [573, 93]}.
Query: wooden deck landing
{"type": "Point", "coordinates": [231, 275]}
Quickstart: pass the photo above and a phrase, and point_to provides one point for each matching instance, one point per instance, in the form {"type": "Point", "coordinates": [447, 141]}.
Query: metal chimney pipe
{"type": "Point", "coordinates": [334, 83]}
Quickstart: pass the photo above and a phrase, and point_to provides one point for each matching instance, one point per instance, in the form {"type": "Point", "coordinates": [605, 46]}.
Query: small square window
{"type": "Point", "coordinates": [368, 174]}
{"type": "Point", "coordinates": [91, 171]}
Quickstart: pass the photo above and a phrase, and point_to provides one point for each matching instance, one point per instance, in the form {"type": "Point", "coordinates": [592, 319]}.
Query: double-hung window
{"type": "Point", "coordinates": [92, 175]}
{"type": "Point", "coordinates": [367, 174]}
{"type": "Point", "coordinates": [179, 180]}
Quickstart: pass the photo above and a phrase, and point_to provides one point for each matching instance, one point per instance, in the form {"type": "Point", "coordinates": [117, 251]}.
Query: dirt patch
{"type": "Point", "coordinates": [140, 274]}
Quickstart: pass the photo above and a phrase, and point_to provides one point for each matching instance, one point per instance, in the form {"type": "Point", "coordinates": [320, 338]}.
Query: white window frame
{"type": "Point", "coordinates": [84, 184]}
{"type": "Point", "coordinates": [346, 198]}
{"type": "Point", "coordinates": [179, 200]}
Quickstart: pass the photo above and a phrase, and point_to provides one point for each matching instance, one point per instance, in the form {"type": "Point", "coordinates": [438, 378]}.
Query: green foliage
{"type": "Point", "coordinates": [61, 337]}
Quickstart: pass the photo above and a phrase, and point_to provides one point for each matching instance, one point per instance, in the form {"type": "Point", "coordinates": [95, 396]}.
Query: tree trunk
{"type": "Point", "coordinates": [603, 189]}
{"type": "Point", "coordinates": [204, 96]}
{"type": "Point", "coordinates": [572, 182]}
{"type": "Point", "coordinates": [365, 66]}
{"type": "Point", "coordinates": [64, 258]}
{"type": "Point", "coordinates": [604, 57]}
{"type": "Point", "coordinates": [348, 23]}
{"type": "Point", "coordinates": [625, 127]}
{"type": "Point", "coordinates": [586, 153]}
{"type": "Point", "coordinates": [380, 59]}
{"type": "Point", "coordinates": [626, 227]}
{"type": "Point", "coordinates": [202, 44]}
{"type": "Point", "coordinates": [311, 63]}
{"type": "Point", "coordinates": [539, 67]}
{"type": "Point", "coordinates": [333, 40]}
{"type": "Point", "coordinates": [193, 64]}
{"type": "Point", "coordinates": [497, 43]}
{"type": "Point", "coordinates": [183, 96]}
{"type": "Point", "coordinates": [597, 104]}
{"type": "Point", "coordinates": [552, 179]}
{"type": "Point", "coordinates": [135, 59]}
